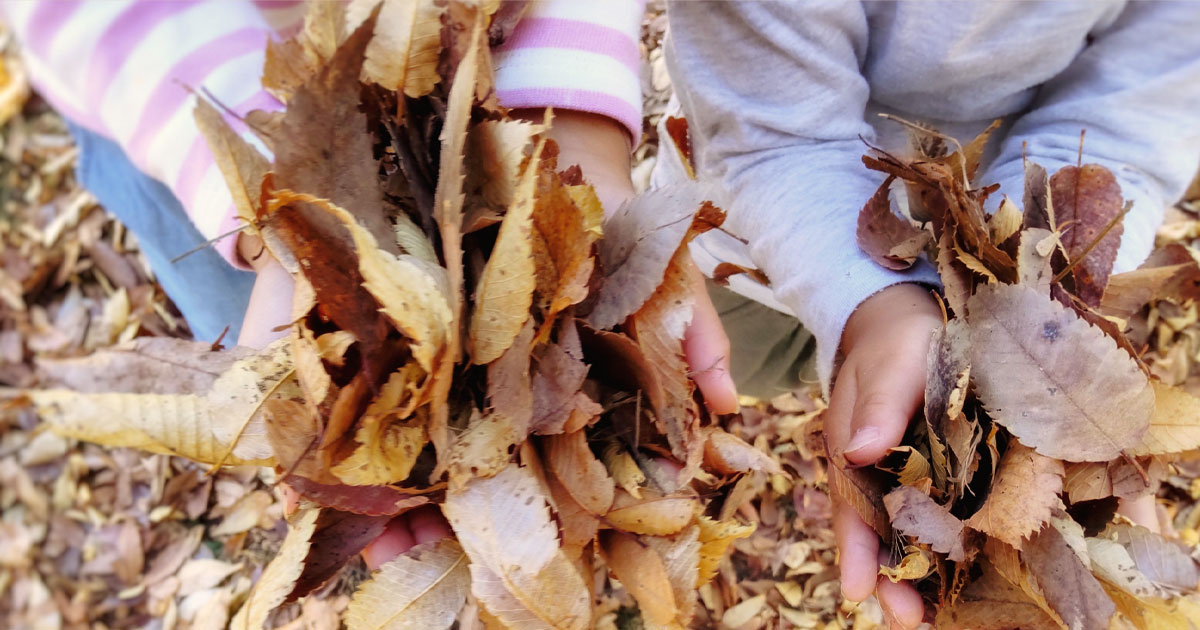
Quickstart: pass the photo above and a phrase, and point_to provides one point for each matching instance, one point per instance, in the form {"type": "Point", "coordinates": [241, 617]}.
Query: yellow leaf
{"type": "Point", "coordinates": [518, 572]}
{"type": "Point", "coordinates": [201, 426]}
{"type": "Point", "coordinates": [715, 539]}
{"type": "Point", "coordinates": [643, 575]}
{"type": "Point", "coordinates": [240, 163]}
{"type": "Point", "coordinates": [624, 470]}
{"type": "Point", "coordinates": [494, 157]}
{"type": "Point", "coordinates": [386, 453]}
{"type": "Point", "coordinates": [403, 54]}
{"type": "Point", "coordinates": [915, 565]}
{"type": "Point", "coordinates": [656, 514]}
{"type": "Point", "coordinates": [482, 449]}
{"type": "Point", "coordinates": [420, 590]}
{"type": "Point", "coordinates": [1174, 425]}
{"type": "Point", "coordinates": [280, 576]}
{"type": "Point", "coordinates": [505, 290]}
{"type": "Point", "coordinates": [583, 476]}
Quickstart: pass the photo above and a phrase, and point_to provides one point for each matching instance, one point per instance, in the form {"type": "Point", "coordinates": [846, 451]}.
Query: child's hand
{"type": "Point", "coordinates": [879, 387]}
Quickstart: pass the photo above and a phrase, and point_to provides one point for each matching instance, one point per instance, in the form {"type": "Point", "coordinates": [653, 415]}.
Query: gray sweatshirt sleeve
{"type": "Point", "coordinates": [1136, 90]}
{"type": "Point", "coordinates": [776, 100]}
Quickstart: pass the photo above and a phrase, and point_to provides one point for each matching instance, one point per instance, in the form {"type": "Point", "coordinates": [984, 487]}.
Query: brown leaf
{"type": "Point", "coordinates": [1164, 562]}
{"type": "Point", "coordinates": [291, 63]}
{"type": "Point", "coordinates": [518, 572]}
{"type": "Point", "coordinates": [862, 490]}
{"type": "Point", "coordinates": [643, 575]}
{"type": "Point", "coordinates": [565, 230]}
{"type": "Point", "coordinates": [557, 377]}
{"type": "Point", "coordinates": [1060, 385]}
{"type": "Point", "coordinates": [1128, 292]}
{"type": "Point", "coordinates": [729, 454]}
{"type": "Point", "coordinates": [914, 514]}
{"type": "Point", "coordinates": [1069, 586]}
{"type": "Point", "coordinates": [677, 129]}
{"type": "Point", "coordinates": [1039, 206]}
{"type": "Point", "coordinates": [424, 588]}
{"type": "Point", "coordinates": [1087, 481]}
{"type": "Point", "coordinates": [343, 535]}
{"type": "Point", "coordinates": [508, 383]}
{"type": "Point", "coordinates": [880, 232]}
{"type": "Point", "coordinates": [654, 514]}
{"type": "Point", "coordinates": [365, 500]}
{"type": "Point", "coordinates": [726, 270]}
{"type": "Point", "coordinates": [1034, 255]}
{"type": "Point", "coordinates": [1086, 199]}
{"type": "Point", "coordinates": [992, 603]}
{"type": "Point", "coordinates": [583, 476]}
{"type": "Point", "coordinates": [640, 239]}
{"type": "Point", "coordinates": [1023, 494]}
{"type": "Point", "coordinates": [496, 149]}
{"type": "Point", "coordinates": [681, 556]}
{"type": "Point", "coordinates": [578, 526]}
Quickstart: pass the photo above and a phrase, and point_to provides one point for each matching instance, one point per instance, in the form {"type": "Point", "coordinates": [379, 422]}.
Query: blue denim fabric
{"type": "Point", "coordinates": [208, 291]}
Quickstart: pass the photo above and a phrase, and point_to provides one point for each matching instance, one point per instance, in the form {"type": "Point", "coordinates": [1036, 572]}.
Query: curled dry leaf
{"type": "Point", "coordinates": [1023, 494]}
{"type": "Point", "coordinates": [862, 490]}
{"type": "Point", "coordinates": [641, 571]}
{"type": "Point", "coordinates": [728, 454]}
{"type": "Point", "coordinates": [889, 240]}
{"type": "Point", "coordinates": [422, 589]}
{"type": "Point", "coordinates": [519, 574]}
{"type": "Point", "coordinates": [280, 576]}
{"type": "Point", "coordinates": [1058, 384]}
{"type": "Point", "coordinates": [916, 515]}
{"type": "Point", "coordinates": [581, 474]}
{"type": "Point", "coordinates": [915, 565]}
{"type": "Point", "coordinates": [640, 239]}
{"type": "Point", "coordinates": [386, 453]}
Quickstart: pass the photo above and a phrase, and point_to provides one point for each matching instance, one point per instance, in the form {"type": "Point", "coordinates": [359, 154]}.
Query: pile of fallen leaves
{"type": "Point", "coordinates": [462, 336]}
{"type": "Point", "coordinates": [1040, 414]}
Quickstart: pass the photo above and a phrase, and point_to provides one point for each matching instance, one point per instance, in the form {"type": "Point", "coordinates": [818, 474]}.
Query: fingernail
{"type": "Point", "coordinates": [862, 438]}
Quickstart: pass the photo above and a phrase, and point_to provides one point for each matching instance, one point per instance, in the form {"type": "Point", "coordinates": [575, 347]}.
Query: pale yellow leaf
{"type": "Point", "coordinates": [681, 557]}
{"type": "Point", "coordinates": [624, 470]}
{"type": "Point", "coordinates": [916, 564]}
{"type": "Point", "coordinates": [655, 514]}
{"type": "Point", "coordinates": [387, 450]}
{"type": "Point", "coordinates": [583, 476]}
{"type": "Point", "coordinates": [1174, 425]}
{"type": "Point", "coordinates": [240, 163]}
{"type": "Point", "coordinates": [280, 575]}
{"type": "Point", "coordinates": [403, 54]}
{"type": "Point", "coordinates": [420, 590]}
{"type": "Point", "coordinates": [519, 574]}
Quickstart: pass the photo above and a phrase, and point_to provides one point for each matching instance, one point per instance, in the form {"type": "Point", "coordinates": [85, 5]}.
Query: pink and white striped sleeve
{"type": "Point", "coordinates": [575, 54]}
{"type": "Point", "coordinates": [123, 69]}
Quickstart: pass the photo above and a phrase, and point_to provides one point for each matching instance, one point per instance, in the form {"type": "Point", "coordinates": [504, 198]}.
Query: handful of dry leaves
{"type": "Point", "coordinates": [1039, 414]}
{"type": "Point", "coordinates": [462, 336]}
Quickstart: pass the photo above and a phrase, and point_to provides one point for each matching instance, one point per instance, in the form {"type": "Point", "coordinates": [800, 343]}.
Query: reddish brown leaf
{"type": "Point", "coordinates": [1086, 200]}
{"type": "Point", "coordinates": [862, 489]}
{"type": "Point", "coordinates": [881, 232]}
{"type": "Point", "coordinates": [342, 536]}
{"type": "Point", "coordinates": [364, 500]}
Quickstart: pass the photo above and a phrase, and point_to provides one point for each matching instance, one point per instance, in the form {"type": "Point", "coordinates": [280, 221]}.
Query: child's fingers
{"type": "Point", "coordinates": [901, 602]}
{"type": "Point", "coordinates": [427, 525]}
{"type": "Point", "coordinates": [394, 540]}
{"type": "Point", "coordinates": [888, 396]}
{"type": "Point", "coordinates": [1141, 511]}
{"type": "Point", "coordinates": [858, 549]}
{"type": "Point", "coordinates": [270, 307]}
{"type": "Point", "coordinates": [707, 350]}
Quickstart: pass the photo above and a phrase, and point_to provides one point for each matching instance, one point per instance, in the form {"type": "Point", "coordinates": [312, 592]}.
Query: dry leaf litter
{"type": "Point", "coordinates": [118, 538]}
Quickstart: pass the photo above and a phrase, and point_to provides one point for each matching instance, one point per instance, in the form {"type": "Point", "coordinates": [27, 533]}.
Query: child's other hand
{"type": "Point", "coordinates": [879, 387]}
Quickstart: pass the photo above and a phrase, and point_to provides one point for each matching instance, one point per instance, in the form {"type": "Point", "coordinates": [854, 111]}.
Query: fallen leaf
{"type": "Point", "coordinates": [581, 474]}
{"type": "Point", "coordinates": [280, 575]}
{"type": "Point", "coordinates": [1038, 204]}
{"type": "Point", "coordinates": [403, 52]}
{"type": "Point", "coordinates": [623, 469]}
{"type": "Point", "coordinates": [862, 490]}
{"type": "Point", "coordinates": [643, 575]}
{"type": "Point", "coordinates": [1069, 586]}
{"type": "Point", "coordinates": [681, 556]}
{"type": "Point", "coordinates": [741, 613]}
{"type": "Point", "coordinates": [655, 514]}
{"type": "Point", "coordinates": [729, 454]}
{"type": "Point", "coordinates": [1005, 222]}
{"type": "Point", "coordinates": [365, 500]}
{"type": "Point", "coordinates": [518, 572]}
{"type": "Point", "coordinates": [1086, 200]}
{"type": "Point", "coordinates": [482, 450]}
{"type": "Point", "coordinates": [1087, 481]}
{"type": "Point", "coordinates": [880, 232]}
{"type": "Point", "coordinates": [915, 565]}
{"type": "Point", "coordinates": [1023, 495]}
{"type": "Point", "coordinates": [342, 536]}
{"type": "Point", "coordinates": [386, 453]}
{"type": "Point", "coordinates": [715, 537]}
{"type": "Point", "coordinates": [1060, 385]}
{"type": "Point", "coordinates": [240, 163]}
{"type": "Point", "coordinates": [993, 603]}
{"type": "Point", "coordinates": [558, 375]}
{"type": "Point", "coordinates": [1174, 424]}
{"type": "Point", "coordinates": [916, 515]}
{"type": "Point", "coordinates": [1164, 562]}
{"type": "Point", "coordinates": [423, 588]}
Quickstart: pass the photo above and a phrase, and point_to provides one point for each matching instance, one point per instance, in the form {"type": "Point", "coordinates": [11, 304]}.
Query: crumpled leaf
{"type": "Point", "coordinates": [916, 564]}
{"type": "Point", "coordinates": [642, 573]}
{"type": "Point", "coordinates": [1088, 198]}
{"type": "Point", "coordinates": [889, 240]}
{"type": "Point", "coordinates": [518, 572]}
{"type": "Point", "coordinates": [862, 490]}
{"type": "Point", "coordinates": [715, 538]}
{"type": "Point", "coordinates": [291, 63]}
{"type": "Point", "coordinates": [1023, 494]}
{"type": "Point", "coordinates": [280, 575]}
{"type": "Point", "coordinates": [1057, 383]}
{"type": "Point", "coordinates": [581, 474]}
{"type": "Point", "coordinates": [916, 515]}
{"type": "Point", "coordinates": [386, 452]}
{"type": "Point", "coordinates": [422, 589]}
{"type": "Point", "coordinates": [640, 239]}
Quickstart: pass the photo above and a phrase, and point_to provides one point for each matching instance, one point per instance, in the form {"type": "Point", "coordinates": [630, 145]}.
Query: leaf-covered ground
{"type": "Point", "coordinates": [112, 538]}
